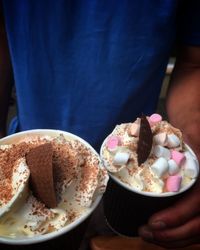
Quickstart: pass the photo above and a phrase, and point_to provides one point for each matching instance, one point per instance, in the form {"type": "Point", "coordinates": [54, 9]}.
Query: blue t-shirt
{"type": "Point", "coordinates": [85, 66]}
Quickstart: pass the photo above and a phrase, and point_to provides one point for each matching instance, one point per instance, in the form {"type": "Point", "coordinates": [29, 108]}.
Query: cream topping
{"type": "Point", "coordinates": [78, 175]}
{"type": "Point", "coordinates": [13, 179]}
{"type": "Point", "coordinates": [151, 176]}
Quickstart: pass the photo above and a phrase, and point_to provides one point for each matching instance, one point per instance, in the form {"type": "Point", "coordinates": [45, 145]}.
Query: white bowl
{"type": "Point", "coordinates": [41, 238]}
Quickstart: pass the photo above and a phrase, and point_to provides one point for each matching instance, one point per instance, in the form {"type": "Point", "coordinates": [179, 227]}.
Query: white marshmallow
{"type": "Point", "coordinates": [173, 167]}
{"type": "Point", "coordinates": [138, 182]}
{"type": "Point", "coordinates": [173, 141]}
{"type": "Point", "coordinates": [160, 166]}
{"type": "Point", "coordinates": [121, 158]}
{"type": "Point", "coordinates": [190, 167]}
{"type": "Point", "coordinates": [160, 139]}
{"type": "Point", "coordinates": [160, 151]}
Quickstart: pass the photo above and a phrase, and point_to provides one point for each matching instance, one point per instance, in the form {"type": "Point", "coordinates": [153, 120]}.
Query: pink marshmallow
{"type": "Point", "coordinates": [173, 183]}
{"type": "Point", "coordinates": [178, 157]}
{"type": "Point", "coordinates": [155, 118]}
{"type": "Point", "coordinates": [113, 142]}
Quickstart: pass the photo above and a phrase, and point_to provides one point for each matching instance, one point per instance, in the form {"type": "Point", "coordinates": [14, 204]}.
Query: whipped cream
{"type": "Point", "coordinates": [13, 180]}
{"type": "Point", "coordinates": [79, 178]}
{"type": "Point", "coordinates": [170, 167]}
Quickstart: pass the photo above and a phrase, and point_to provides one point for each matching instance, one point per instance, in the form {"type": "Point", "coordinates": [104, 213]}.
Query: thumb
{"type": "Point", "coordinates": [182, 211]}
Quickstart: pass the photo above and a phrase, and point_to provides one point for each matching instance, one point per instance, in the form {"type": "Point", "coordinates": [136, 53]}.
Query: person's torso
{"type": "Point", "coordinates": [83, 66]}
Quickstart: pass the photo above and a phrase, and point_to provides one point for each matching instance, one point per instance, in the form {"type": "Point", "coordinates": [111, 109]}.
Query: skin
{"type": "Point", "coordinates": [179, 226]}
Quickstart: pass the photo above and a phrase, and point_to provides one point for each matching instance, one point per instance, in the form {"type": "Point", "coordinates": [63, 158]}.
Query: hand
{"type": "Point", "coordinates": [179, 225]}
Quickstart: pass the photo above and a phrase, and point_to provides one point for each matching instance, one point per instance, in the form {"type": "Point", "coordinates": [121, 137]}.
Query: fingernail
{"type": "Point", "coordinates": [146, 234]}
{"type": "Point", "coordinates": [158, 225]}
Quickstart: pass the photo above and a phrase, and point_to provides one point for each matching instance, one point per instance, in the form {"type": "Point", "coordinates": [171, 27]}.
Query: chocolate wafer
{"type": "Point", "coordinates": [39, 160]}
{"type": "Point", "coordinates": [145, 140]}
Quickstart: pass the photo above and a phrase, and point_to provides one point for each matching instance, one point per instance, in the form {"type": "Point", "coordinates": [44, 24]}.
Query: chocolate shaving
{"type": "Point", "coordinates": [145, 141]}
{"type": "Point", "coordinates": [39, 160]}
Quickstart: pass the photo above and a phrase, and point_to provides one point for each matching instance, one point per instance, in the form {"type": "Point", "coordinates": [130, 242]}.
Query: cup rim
{"type": "Point", "coordinates": [145, 193]}
{"type": "Point", "coordinates": [49, 236]}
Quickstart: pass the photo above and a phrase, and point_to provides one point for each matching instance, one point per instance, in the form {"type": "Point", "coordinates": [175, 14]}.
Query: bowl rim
{"type": "Point", "coordinates": [145, 193]}
{"type": "Point", "coordinates": [49, 236]}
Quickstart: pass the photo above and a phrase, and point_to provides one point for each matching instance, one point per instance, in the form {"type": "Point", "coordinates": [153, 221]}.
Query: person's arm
{"type": "Point", "coordinates": [180, 224]}
{"type": "Point", "coordinates": [183, 100]}
{"type": "Point", "coordinates": [6, 76]}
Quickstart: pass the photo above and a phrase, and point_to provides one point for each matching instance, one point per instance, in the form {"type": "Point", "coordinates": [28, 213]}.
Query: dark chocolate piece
{"type": "Point", "coordinates": [39, 160]}
{"type": "Point", "coordinates": [145, 141]}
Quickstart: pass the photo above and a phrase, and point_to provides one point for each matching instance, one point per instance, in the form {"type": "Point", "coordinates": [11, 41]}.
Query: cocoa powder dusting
{"type": "Point", "coordinates": [8, 159]}
{"type": "Point", "coordinates": [65, 163]}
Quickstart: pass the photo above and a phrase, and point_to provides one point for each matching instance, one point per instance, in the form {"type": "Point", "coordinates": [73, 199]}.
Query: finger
{"type": "Point", "coordinates": [179, 213]}
{"type": "Point", "coordinates": [189, 230]}
{"type": "Point", "coordinates": [147, 235]}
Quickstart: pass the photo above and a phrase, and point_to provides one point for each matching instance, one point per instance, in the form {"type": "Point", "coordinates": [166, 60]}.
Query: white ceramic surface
{"type": "Point", "coordinates": [41, 238]}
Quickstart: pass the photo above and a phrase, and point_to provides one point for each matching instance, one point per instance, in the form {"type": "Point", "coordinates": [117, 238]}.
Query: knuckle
{"type": "Point", "coordinates": [163, 236]}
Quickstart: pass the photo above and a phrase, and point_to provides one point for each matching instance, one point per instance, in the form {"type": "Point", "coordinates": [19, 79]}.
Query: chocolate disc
{"type": "Point", "coordinates": [39, 160]}
{"type": "Point", "coordinates": [145, 141]}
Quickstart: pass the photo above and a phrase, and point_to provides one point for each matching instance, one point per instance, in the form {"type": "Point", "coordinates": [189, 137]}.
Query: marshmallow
{"type": "Point", "coordinates": [173, 141]}
{"type": "Point", "coordinates": [134, 129]}
{"type": "Point", "coordinates": [173, 183]}
{"type": "Point", "coordinates": [121, 158]}
{"type": "Point", "coordinates": [178, 157]}
{"type": "Point", "coordinates": [112, 143]}
{"type": "Point", "coordinates": [160, 139]}
{"type": "Point", "coordinates": [160, 166]}
{"type": "Point", "coordinates": [190, 166]}
{"type": "Point", "coordinates": [155, 118]}
{"type": "Point", "coordinates": [173, 167]}
{"type": "Point", "coordinates": [160, 151]}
